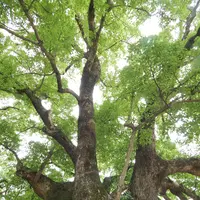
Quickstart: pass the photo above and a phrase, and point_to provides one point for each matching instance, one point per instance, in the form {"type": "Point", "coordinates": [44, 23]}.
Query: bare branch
{"type": "Point", "coordinates": [190, 19]}
{"type": "Point", "coordinates": [44, 184]}
{"type": "Point", "coordinates": [37, 103]}
{"type": "Point", "coordinates": [64, 141]}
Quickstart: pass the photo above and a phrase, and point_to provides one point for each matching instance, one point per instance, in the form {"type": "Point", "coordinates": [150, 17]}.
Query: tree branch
{"type": "Point", "coordinates": [67, 90]}
{"type": "Point", "coordinates": [78, 21]}
{"type": "Point", "coordinates": [19, 162]}
{"type": "Point", "coordinates": [43, 165]}
{"type": "Point", "coordinates": [190, 19]}
{"type": "Point", "coordinates": [48, 55]}
{"type": "Point", "coordinates": [177, 189]}
{"type": "Point", "coordinates": [45, 187]}
{"type": "Point", "coordinates": [9, 107]}
{"type": "Point", "coordinates": [91, 16]}
{"type": "Point", "coordinates": [30, 19]}
{"type": "Point", "coordinates": [2, 26]}
{"type": "Point", "coordinates": [191, 40]}
{"type": "Point", "coordinates": [37, 103]}
{"type": "Point", "coordinates": [51, 130]}
{"type": "Point", "coordinates": [120, 184]}
{"type": "Point", "coordinates": [190, 165]}
{"type": "Point", "coordinates": [102, 21]}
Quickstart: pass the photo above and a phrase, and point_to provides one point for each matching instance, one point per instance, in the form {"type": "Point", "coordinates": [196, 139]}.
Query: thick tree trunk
{"type": "Point", "coordinates": [87, 181]}
{"type": "Point", "coordinates": [148, 173]}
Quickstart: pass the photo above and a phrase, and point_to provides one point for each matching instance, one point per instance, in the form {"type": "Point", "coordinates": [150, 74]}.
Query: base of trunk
{"type": "Point", "coordinates": [88, 189]}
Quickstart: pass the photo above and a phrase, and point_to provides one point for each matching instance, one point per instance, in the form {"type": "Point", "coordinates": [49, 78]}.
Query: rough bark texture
{"type": "Point", "coordinates": [46, 188]}
{"type": "Point", "coordinates": [148, 173]}
{"type": "Point", "coordinates": [145, 176]}
{"type": "Point", "coordinates": [87, 181]}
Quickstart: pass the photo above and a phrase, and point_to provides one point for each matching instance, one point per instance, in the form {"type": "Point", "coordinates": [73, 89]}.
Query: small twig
{"type": "Point", "coordinates": [13, 152]}
{"type": "Point", "coordinates": [9, 107]}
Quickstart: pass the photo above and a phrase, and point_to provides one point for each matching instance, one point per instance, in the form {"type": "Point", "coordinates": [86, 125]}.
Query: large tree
{"type": "Point", "coordinates": [123, 146]}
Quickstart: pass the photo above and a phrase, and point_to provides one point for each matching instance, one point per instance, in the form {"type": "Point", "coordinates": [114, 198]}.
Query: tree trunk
{"type": "Point", "coordinates": [87, 181]}
{"type": "Point", "coordinates": [148, 173]}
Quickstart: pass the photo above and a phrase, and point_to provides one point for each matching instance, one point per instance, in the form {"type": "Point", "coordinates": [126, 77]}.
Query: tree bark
{"type": "Point", "coordinates": [44, 187]}
{"type": "Point", "coordinates": [148, 173]}
{"type": "Point", "coordinates": [87, 181]}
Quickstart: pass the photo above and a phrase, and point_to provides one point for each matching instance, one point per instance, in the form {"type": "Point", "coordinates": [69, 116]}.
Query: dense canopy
{"type": "Point", "coordinates": [93, 105]}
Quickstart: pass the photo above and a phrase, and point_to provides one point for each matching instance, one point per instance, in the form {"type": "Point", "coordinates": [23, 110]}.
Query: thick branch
{"type": "Point", "coordinates": [190, 19]}
{"type": "Point", "coordinates": [51, 129]}
{"type": "Point", "coordinates": [191, 40]}
{"type": "Point", "coordinates": [37, 103]}
{"type": "Point", "coordinates": [64, 141]}
{"type": "Point", "coordinates": [67, 90]}
{"type": "Point", "coordinates": [190, 165]}
{"type": "Point", "coordinates": [45, 188]}
{"type": "Point", "coordinates": [91, 16]}
{"type": "Point", "coordinates": [177, 189]}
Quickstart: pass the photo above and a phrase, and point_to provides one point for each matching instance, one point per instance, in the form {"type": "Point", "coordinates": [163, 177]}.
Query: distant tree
{"type": "Point", "coordinates": [45, 47]}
